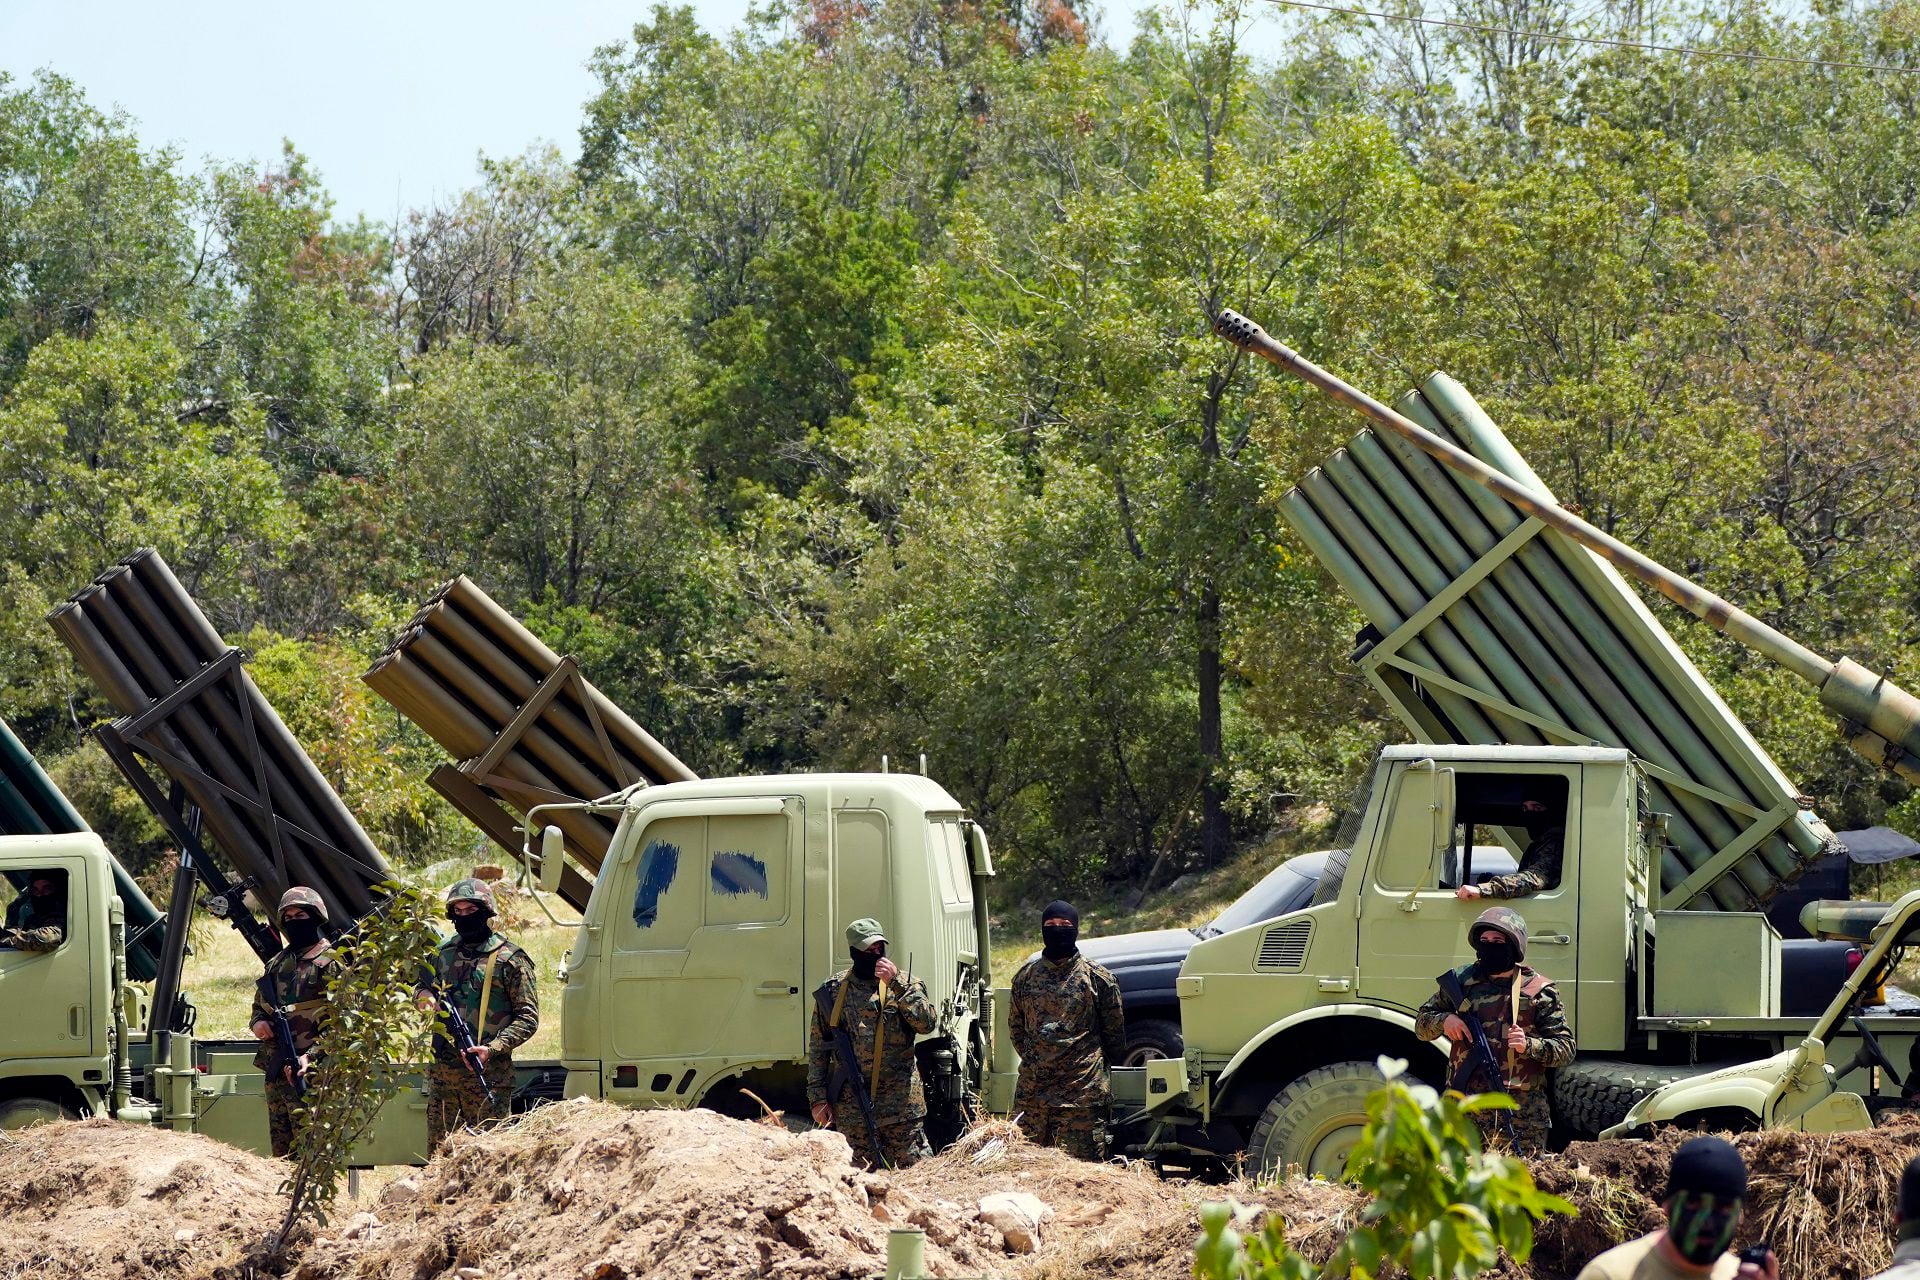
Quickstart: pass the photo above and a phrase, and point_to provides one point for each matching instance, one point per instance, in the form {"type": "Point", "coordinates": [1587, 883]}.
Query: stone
{"type": "Point", "coordinates": [1017, 1216]}
{"type": "Point", "coordinates": [185, 1235]}
{"type": "Point", "coordinates": [361, 1225]}
{"type": "Point", "coordinates": [401, 1191]}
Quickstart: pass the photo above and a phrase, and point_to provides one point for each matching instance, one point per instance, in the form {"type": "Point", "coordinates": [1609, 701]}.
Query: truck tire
{"type": "Point", "coordinates": [1593, 1094]}
{"type": "Point", "coordinates": [1150, 1039]}
{"type": "Point", "coordinates": [1332, 872]}
{"type": "Point", "coordinates": [21, 1113]}
{"type": "Point", "coordinates": [1315, 1122]}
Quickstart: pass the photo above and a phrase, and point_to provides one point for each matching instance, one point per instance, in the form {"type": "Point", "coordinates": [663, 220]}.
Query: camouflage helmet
{"type": "Point", "coordinates": [472, 890]}
{"type": "Point", "coordinates": [301, 896]}
{"type": "Point", "coordinates": [1507, 921]}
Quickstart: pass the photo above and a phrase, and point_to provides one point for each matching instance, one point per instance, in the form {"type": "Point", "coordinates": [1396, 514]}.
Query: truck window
{"type": "Point", "coordinates": [35, 900]}
{"type": "Point", "coordinates": [1406, 850]}
{"type": "Point", "coordinates": [948, 849]}
{"type": "Point", "coordinates": [666, 891]}
{"type": "Point", "coordinates": [1529, 809]}
{"type": "Point", "coordinates": [862, 872]}
{"type": "Point", "coordinates": [747, 869]}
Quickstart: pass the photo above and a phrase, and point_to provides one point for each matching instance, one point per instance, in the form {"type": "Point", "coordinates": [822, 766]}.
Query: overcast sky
{"type": "Point", "coordinates": [393, 100]}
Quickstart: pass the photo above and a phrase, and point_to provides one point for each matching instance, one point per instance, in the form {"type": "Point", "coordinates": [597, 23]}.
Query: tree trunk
{"type": "Point", "coordinates": [1213, 813]}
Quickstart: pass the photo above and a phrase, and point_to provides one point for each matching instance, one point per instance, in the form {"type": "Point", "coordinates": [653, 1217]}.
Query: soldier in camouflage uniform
{"type": "Point", "coordinates": [491, 982]}
{"type": "Point", "coordinates": [297, 978]}
{"type": "Point", "coordinates": [1068, 1030]}
{"type": "Point", "coordinates": [1525, 1026]}
{"type": "Point", "coordinates": [1539, 868]}
{"type": "Point", "coordinates": [883, 1015]}
{"type": "Point", "coordinates": [37, 919]}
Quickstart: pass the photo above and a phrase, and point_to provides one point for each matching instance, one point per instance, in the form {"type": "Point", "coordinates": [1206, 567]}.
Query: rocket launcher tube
{"type": "Point", "coordinates": [1869, 702]}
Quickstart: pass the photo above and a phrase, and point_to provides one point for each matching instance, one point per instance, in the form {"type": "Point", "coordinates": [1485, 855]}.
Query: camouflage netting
{"type": "Point", "coordinates": [96, 1198]}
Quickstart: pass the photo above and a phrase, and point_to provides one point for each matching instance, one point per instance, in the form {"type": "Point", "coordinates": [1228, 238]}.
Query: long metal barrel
{"type": "Point", "coordinates": [30, 805]}
{"type": "Point", "coordinates": [527, 727]}
{"type": "Point", "coordinates": [138, 633]}
{"type": "Point", "coordinates": [1883, 719]}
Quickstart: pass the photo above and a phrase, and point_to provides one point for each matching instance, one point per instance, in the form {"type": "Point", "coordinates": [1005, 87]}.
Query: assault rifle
{"type": "Point", "coordinates": [462, 1036]}
{"type": "Point", "coordinates": [284, 1054]}
{"type": "Point", "coordinates": [1480, 1059]}
{"type": "Point", "coordinates": [846, 1072]}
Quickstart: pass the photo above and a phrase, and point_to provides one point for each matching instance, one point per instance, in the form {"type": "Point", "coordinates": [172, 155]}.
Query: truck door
{"type": "Point", "coordinates": [706, 955]}
{"type": "Point", "coordinates": [1413, 925]}
{"type": "Point", "coordinates": [47, 994]}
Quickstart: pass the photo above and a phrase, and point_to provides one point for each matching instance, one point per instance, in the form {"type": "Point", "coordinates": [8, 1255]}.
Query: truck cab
{"type": "Point", "coordinates": [722, 905]}
{"type": "Point", "coordinates": [1285, 1020]}
{"type": "Point", "coordinates": [56, 1059]}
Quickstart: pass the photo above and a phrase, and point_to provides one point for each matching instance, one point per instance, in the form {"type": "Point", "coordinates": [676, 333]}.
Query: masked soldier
{"type": "Point", "coordinates": [1706, 1198]}
{"type": "Point", "coordinates": [37, 919]}
{"type": "Point", "coordinates": [491, 983]}
{"type": "Point", "coordinates": [295, 985]}
{"type": "Point", "coordinates": [1525, 1026]}
{"type": "Point", "coordinates": [1539, 868]}
{"type": "Point", "coordinates": [1068, 1030]}
{"type": "Point", "coordinates": [869, 1014]}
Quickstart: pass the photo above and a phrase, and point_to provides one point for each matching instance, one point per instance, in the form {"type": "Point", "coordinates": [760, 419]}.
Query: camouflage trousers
{"type": "Point", "coordinates": [903, 1139]}
{"type": "Point", "coordinates": [1081, 1132]}
{"type": "Point", "coordinates": [455, 1100]}
{"type": "Point", "coordinates": [281, 1101]}
{"type": "Point", "coordinates": [1530, 1124]}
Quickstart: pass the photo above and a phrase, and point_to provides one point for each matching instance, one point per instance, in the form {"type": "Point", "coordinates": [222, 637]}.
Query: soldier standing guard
{"type": "Point", "coordinates": [1067, 1027]}
{"type": "Point", "coordinates": [296, 980]}
{"type": "Point", "coordinates": [1525, 1026]}
{"type": "Point", "coordinates": [869, 1010]}
{"type": "Point", "coordinates": [491, 982]}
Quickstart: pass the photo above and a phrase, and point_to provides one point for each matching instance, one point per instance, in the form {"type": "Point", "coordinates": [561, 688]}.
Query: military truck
{"type": "Point", "coordinates": [718, 906]}
{"type": "Point", "coordinates": [1500, 631]}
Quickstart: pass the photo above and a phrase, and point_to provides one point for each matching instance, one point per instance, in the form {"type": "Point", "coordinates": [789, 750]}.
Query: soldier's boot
{"type": "Point", "coordinates": [281, 1100]}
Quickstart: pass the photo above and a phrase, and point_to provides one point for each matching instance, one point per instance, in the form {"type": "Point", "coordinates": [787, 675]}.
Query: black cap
{"type": "Point", "coordinates": [1910, 1191]}
{"type": "Point", "coordinates": [1059, 910]}
{"type": "Point", "coordinates": [1708, 1165]}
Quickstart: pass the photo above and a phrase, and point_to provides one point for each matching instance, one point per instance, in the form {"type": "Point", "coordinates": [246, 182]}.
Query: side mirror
{"type": "Point", "coordinates": [553, 856]}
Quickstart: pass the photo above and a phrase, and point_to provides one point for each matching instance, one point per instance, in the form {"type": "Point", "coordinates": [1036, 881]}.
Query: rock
{"type": "Point", "coordinates": [1017, 1216]}
{"type": "Point", "coordinates": [401, 1191]}
{"type": "Point", "coordinates": [185, 1235]}
{"type": "Point", "coordinates": [362, 1224]}
{"type": "Point", "coordinates": [880, 1211]}
{"type": "Point", "coordinates": [470, 1273]}
{"type": "Point", "coordinates": [941, 1230]}
{"type": "Point", "coordinates": [1179, 886]}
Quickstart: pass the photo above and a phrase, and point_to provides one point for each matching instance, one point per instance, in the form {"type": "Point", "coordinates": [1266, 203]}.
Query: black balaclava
{"type": "Point", "coordinates": [477, 927]}
{"type": "Point", "coordinates": [301, 934]}
{"type": "Point", "coordinates": [864, 961]}
{"type": "Point", "coordinates": [1495, 957]}
{"type": "Point", "coordinates": [1706, 1192]}
{"type": "Point", "coordinates": [1910, 1200]}
{"type": "Point", "coordinates": [1062, 940]}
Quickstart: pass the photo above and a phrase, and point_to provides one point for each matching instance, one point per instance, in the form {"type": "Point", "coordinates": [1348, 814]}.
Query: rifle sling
{"type": "Point", "coordinates": [486, 994]}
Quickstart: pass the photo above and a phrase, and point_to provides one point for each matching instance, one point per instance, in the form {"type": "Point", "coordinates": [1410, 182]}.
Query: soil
{"type": "Point", "coordinates": [98, 1198]}
{"type": "Point", "coordinates": [587, 1191]}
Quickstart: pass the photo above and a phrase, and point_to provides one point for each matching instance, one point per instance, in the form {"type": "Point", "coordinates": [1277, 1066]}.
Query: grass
{"type": "Point", "coordinates": [221, 971]}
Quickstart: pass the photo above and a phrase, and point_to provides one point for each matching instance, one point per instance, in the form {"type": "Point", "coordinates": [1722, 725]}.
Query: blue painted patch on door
{"type": "Point", "coordinates": [738, 873]}
{"type": "Point", "coordinates": [659, 864]}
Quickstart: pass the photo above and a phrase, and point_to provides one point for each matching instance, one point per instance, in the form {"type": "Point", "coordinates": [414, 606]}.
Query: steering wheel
{"type": "Point", "coordinates": [1871, 1054]}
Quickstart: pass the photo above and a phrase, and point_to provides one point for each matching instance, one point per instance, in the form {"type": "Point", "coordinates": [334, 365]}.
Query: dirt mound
{"type": "Point", "coordinates": [588, 1190]}
{"type": "Point", "coordinates": [1825, 1203]}
{"type": "Point", "coordinates": [100, 1198]}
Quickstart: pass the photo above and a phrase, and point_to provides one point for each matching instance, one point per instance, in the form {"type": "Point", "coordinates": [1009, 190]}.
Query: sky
{"type": "Point", "coordinates": [392, 101]}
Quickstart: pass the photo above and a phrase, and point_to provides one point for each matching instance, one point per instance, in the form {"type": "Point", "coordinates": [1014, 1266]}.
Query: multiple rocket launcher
{"type": "Point", "coordinates": [1496, 617]}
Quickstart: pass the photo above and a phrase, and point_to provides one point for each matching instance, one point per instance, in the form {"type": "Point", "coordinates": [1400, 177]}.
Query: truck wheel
{"type": "Point", "coordinates": [1595, 1093]}
{"type": "Point", "coordinates": [21, 1113]}
{"type": "Point", "coordinates": [1151, 1039]}
{"type": "Point", "coordinates": [1315, 1122]}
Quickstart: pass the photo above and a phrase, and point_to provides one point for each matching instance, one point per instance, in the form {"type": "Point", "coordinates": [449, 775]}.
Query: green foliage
{"type": "Point", "coordinates": [1442, 1208]}
{"type": "Point", "coordinates": [372, 1019]}
{"type": "Point", "coordinates": [853, 394]}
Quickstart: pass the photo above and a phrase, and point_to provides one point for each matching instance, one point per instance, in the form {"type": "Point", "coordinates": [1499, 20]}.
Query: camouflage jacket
{"type": "Point", "coordinates": [1549, 1038]}
{"type": "Point", "coordinates": [300, 987]}
{"type": "Point", "coordinates": [908, 1015]}
{"type": "Point", "coordinates": [513, 1002]}
{"type": "Point", "coordinates": [1067, 1028]}
{"type": "Point", "coordinates": [1539, 869]}
{"type": "Point", "coordinates": [31, 927]}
